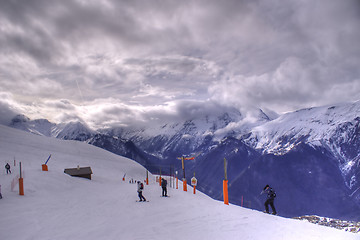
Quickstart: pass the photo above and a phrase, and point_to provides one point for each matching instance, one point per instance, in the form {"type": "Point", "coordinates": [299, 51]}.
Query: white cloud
{"type": "Point", "coordinates": [115, 61]}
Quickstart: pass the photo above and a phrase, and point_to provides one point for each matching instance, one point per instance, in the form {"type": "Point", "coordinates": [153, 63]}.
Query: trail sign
{"type": "Point", "coordinates": [193, 181]}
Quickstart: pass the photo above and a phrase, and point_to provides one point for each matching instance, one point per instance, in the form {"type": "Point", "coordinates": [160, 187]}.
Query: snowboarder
{"type": "Point", "coordinates": [140, 187]}
{"type": "Point", "coordinates": [270, 199]}
{"type": "Point", "coordinates": [7, 167]}
{"type": "Point", "coordinates": [163, 185]}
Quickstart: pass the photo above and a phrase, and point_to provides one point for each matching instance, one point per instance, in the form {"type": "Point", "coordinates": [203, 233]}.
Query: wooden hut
{"type": "Point", "coordinates": [84, 172]}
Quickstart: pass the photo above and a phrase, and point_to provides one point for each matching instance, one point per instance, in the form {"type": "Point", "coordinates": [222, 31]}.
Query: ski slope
{"type": "Point", "coordinates": [56, 206]}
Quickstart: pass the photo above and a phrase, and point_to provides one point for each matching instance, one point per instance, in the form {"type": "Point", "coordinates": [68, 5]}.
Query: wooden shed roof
{"type": "Point", "coordinates": [79, 172]}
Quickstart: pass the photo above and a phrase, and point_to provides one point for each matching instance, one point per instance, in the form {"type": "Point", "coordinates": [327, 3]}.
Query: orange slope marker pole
{"type": "Point", "coordinates": [183, 168]}
{"type": "Point", "coordinates": [160, 178]}
{"type": "Point", "coordinates": [184, 179]}
{"type": "Point", "coordinates": [225, 185]}
{"type": "Point", "coordinates": [21, 183]}
{"type": "Point", "coordinates": [177, 180]}
{"type": "Point", "coordinates": [44, 166]}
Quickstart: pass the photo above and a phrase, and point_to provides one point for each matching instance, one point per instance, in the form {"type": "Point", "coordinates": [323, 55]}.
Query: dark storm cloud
{"type": "Point", "coordinates": [7, 111]}
{"type": "Point", "coordinates": [190, 109]}
{"type": "Point", "coordinates": [147, 58]}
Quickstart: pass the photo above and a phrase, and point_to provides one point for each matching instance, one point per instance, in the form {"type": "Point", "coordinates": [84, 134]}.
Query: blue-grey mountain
{"type": "Point", "coordinates": [311, 157]}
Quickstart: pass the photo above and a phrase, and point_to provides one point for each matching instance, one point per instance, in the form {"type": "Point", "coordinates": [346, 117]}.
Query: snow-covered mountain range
{"type": "Point", "coordinates": [310, 156]}
{"type": "Point", "coordinates": [58, 206]}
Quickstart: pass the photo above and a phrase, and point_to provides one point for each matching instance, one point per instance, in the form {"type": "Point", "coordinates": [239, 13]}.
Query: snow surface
{"type": "Point", "coordinates": [57, 206]}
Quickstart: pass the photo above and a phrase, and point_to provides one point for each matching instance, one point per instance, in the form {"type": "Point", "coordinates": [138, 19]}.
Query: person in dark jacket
{"type": "Point", "coordinates": [140, 187]}
{"type": "Point", "coordinates": [270, 199]}
{"type": "Point", "coordinates": [164, 185]}
{"type": "Point", "coordinates": [7, 167]}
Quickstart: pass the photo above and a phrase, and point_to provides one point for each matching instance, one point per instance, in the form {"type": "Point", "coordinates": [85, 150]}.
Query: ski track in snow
{"type": "Point", "coordinates": [57, 206]}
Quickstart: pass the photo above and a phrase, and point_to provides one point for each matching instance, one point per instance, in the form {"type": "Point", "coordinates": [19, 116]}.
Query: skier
{"type": "Point", "coordinates": [270, 199]}
{"type": "Point", "coordinates": [7, 167]}
{"type": "Point", "coordinates": [140, 187]}
{"type": "Point", "coordinates": [163, 185]}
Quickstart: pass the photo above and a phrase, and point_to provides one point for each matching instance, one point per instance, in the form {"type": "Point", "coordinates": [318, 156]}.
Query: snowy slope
{"type": "Point", "coordinates": [57, 206]}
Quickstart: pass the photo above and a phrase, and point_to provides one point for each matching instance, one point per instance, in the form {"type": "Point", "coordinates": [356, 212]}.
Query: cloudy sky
{"type": "Point", "coordinates": [116, 62]}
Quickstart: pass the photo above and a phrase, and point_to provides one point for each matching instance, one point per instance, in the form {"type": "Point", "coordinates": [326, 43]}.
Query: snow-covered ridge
{"type": "Point", "coordinates": [331, 127]}
{"type": "Point", "coordinates": [315, 126]}
{"type": "Point", "coordinates": [42, 127]}
{"type": "Point", "coordinates": [197, 127]}
{"type": "Point", "coordinates": [312, 125]}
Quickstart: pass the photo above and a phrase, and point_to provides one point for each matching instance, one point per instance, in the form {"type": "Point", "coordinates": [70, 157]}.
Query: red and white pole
{"type": "Point", "coordinates": [225, 185]}
{"type": "Point", "coordinates": [21, 183]}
